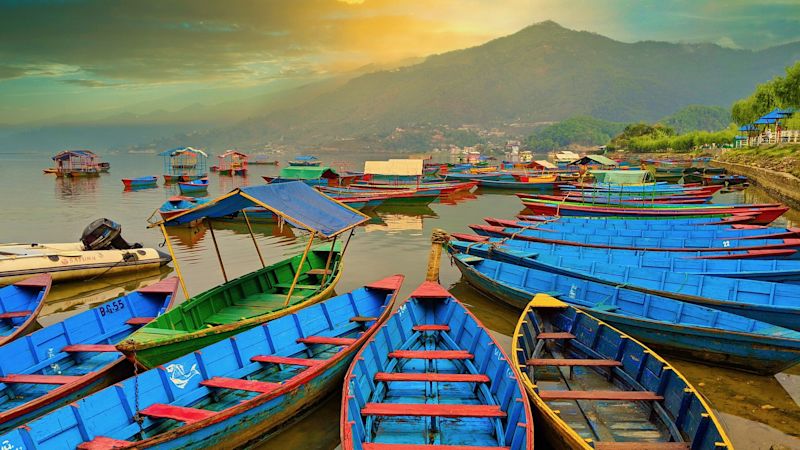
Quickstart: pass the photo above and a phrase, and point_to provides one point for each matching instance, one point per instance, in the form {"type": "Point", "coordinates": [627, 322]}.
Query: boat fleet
{"type": "Point", "coordinates": [606, 278]}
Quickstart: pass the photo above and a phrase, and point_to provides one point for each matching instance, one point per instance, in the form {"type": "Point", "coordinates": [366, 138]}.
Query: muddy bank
{"type": "Point", "coordinates": [784, 185]}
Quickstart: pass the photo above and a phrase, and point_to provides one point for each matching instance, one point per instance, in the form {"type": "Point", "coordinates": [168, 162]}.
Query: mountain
{"type": "Point", "coordinates": [698, 117]}
{"type": "Point", "coordinates": [542, 73]}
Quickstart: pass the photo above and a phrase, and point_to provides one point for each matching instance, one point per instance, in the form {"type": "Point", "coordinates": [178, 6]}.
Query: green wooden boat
{"type": "Point", "coordinates": [235, 306]}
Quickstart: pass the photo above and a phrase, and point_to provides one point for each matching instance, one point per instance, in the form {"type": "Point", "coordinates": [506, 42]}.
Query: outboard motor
{"type": "Point", "coordinates": [105, 234]}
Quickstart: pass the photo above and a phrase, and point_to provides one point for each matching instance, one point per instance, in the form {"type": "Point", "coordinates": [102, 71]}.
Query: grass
{"type": "Point", "coordinates": [781, 158]}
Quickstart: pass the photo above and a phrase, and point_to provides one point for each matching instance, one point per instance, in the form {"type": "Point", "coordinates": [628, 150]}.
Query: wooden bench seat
{"type": "Point", "coordinates": [555, 335]}
{"type": "Point", "coordinates": [431, 354]}
{"type": "Point", "coordinates": [378, 446]}
{"type": "Point", "coordinates": [573, 362]}
{"type": "Point", "coordinates": [326, 340]}
{"type": "Point", "coordinates": [601, 395]}
{"type": "Point", "coordinates": [430, 410]}
{"type": "Point", "coordinates": [38, 379]}
{"type": "Point", "coordinates": [139, 320]}
{"type": "Point", "coordinates": [298, 286]}
{"type": "Point", "coordinates": [363, 319]}
{"type": "Point", "coordinates": [287, 360]}
{"type": "Point", "coordinates": [179, 413]}
{"type": "Point", "coordinates": [240, 385]}
{"type": "Point", "coordinates": [99, 348]}
{"type": "Point", "coordinates": [318, 272]}
{"type": "Point", "coordinates": [15, 314]}
{"type": "Point", "coordinates": [103, 443]}
{"type": "Point", "coordinates": [641, 445]}
{"type": "Point", "coordinates": [431, 328]}
{"type": "Point", "coordinates": [433, 377]}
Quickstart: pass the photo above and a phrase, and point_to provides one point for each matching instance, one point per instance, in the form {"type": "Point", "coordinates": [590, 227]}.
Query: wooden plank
{"type": "Point", "coordinates": [601, 395]}
{"type": "Point", "coordinates": [15, 314]}
{"type": "Point", "coordinates": [433, 377]}
{"type": "Point", "coordinates": [431, 328]}
{"type": "Point", "coordinates": [287, 360]}
{"type": "Point", "coordinates": [430, 410]}
{"type": "Point", "coordinates": [377, 446]}
{"type": "Point", "coordinates": [326, 340]}
{"type": "Point", "coordinates": [240, 385]}
{"type": "Point", "coordinates": [38, 379]}
{"type": "Point", "coordinates": [363, 319]}
{"type": "Point", "coordinates": [641, 445]}
{"type": "Point", "coordinates": [103, 443]}
{"type": "Point", "coordinates": [319, 272]}
{"type": "Point", "coordinates": [179, 413]}
{"type": "Point", "coordinates": [431, 354]}
{"type": "Point", "coordinates": [555, 335]}
{"type": "Point", "coordinates": [98, 348]}
{"type": "Point", "coordinates": [573, 362]}
{"type": "Point", "coordinates": [139, 320]}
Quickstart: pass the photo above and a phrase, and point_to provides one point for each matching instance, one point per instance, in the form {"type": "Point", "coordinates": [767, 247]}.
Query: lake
{"type": "Point", "coordinates": [757, 411]}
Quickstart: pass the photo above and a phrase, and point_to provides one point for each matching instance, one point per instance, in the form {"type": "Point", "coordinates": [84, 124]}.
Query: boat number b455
{"type": "Point", "coordinates": [111, 307]}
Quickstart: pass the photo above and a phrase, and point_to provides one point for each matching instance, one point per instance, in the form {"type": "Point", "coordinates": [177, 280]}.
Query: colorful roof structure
{"type": "Point", "coordinates": [307, 172]}
{"type": "Point", "coordinates": [394, 167]}
{"type": "Point", "coordinates": [595, 159]}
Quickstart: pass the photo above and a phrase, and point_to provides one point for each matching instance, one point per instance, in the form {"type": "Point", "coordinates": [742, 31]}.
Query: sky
{"type": "Point", "coordinates": [77, 59]}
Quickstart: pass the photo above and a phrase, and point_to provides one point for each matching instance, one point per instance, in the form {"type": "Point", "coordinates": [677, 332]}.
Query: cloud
{"type": "Point", "coordinates": [88, 83]}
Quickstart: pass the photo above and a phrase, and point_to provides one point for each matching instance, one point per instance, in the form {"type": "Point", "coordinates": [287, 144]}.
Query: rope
{"type": "Point", "coordinates": [137, 417]}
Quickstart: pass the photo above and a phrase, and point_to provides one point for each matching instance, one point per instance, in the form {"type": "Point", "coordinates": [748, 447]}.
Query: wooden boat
{"type": "Point", "coordinates": [653, 230]}
{"type": "Point", "coordinates": [20, 304]}
{"type": "Point", "coordinates": [235, 306]}
{"type": "Point", "coordinates": [176, 178]}
{"type": "Point", "coordinates": [637, 200]}
{"type": "Point", "coordinates": [63, 362]}
{"type": "Point", "coordinates": [656, 206]}
{"type": "Point", "coordinates": [535, 184]}
{"type": "Point", "coordinates": [71, 261]}
{"type": "Point", "coordinates": [774, 303]}
{"type": "Point", "coordinates": [516, 252]}
{"type": "Point", "coordinates": [724, 180]}
{"type": "Point", "coordinates": [595, 387]}
{"type": "Point", "coordinates": [229, 394]}
{"type": "Point", "coordinates": [645, 222]}
{"type": "Point", "coordinates": [132, 183]}
{"type": "Point", "coordinates": [305, 161]}
{"type": "Point", "coordinates": [433, 377]}
{"type": "Point", "coordinates": [389, 197]}
{"type": "Point", "coordinates": [443, 187]}
{"type": "Point", "coordinates": [760, 216]}
{"type": "Point", "coordinates": [50, 170]}
{"type": "Point", "coordinates": [192, 187]}
{"type": "Point", "coordinates": [640, 243]}
{"type": "Point", "coordinates": [683, 329]}
{"type": "Point", "coordinates": [178, 204]}
{"type": "Point", "coordinates": [478, 176]}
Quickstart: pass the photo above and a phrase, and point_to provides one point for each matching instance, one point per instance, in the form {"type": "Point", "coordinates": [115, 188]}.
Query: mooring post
{"type": "Point", "coordinates": [439, 238]}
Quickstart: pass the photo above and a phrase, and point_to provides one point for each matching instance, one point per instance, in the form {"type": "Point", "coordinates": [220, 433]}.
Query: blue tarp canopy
{"type": "Point", "coordinates": [773, 115]}
{"type": "Point", "coordinates": [296, 202]}
{"type": "Point", "coordinates": [305, 158]}
{"type": "Point", "coordinates": [763, 121]}
{"type": "Point", "coordinates": [748, 127]}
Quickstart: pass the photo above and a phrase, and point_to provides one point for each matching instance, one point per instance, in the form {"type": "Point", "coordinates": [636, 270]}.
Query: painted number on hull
{"type": "Point", "coordinates": [111, 307]}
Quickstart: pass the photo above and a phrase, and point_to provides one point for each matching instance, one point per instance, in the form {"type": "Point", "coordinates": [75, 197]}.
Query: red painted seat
{"type": "Point", "coordinates": [601, 395]}
{"type": "Point", "coordinates": [573, 362]}
{"type": "Point", "coordinates": [431, 410]}
{"type": "Point", "coordinates": [89, 348]}
{"type": "Point", "coordinates": [103, 443]}
{"type": "Point", "coordinates": [15, 314]}
{"type": "Point", "coordinates": [139, 320]}
{"type": "Point", "coordinates": [287, 360]}
{"type": "Point", "coordinates": [431, 328]}
{"type": "Point", "coordinates": [179, 413]}
{"type": "Point", "coordinates": [433, 377]}
{"type": "Point", "coordinates": [376, 446]}
{"type": "Point", "coordinates": [431, 354]}
{"type": "Point", "coordinates": [241, 385]}
{"type": "Point", "coordinates": [38, 379]}
{"type": "Point", "coordinates": [555, 336]}
{"type": "Point", "coordinates": [326, 340]}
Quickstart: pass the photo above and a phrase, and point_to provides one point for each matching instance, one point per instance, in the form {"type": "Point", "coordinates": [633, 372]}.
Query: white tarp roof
{"type": "Point", "coordinates": [546, 164]}
{"type": "Point", "coordinates": [399, 167]}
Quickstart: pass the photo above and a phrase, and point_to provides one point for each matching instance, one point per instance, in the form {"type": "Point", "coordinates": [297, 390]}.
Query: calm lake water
{"type": "Point", "coordinates": [758, 411]}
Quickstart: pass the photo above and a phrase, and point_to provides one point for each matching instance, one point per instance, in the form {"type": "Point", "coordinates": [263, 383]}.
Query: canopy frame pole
{"type": "Point", "coordinates": [216, 247]}
{"type": "Point", "coordinates": [328, 262]}
{"type": "Point", "coordinates": [253, 236]}
{"type": "Point", "coordinates": [299, 267]}
{"type": "Point", "coordinates": [174, 261]}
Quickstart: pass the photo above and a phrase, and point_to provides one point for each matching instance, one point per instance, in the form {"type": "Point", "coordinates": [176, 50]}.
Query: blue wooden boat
{"type": "Point", "coordinates": [194, 186]}
{"type": "Point", "coordinates": [506, 176]}
{"type": "Point", "coordinates": [620, 221]}
{"type": "Point", "coordinates": [65, 361]}
{"type": "Point", "coordinates": [654, 231]}
{"type": "Point", "coordinates": [433, 377]}
{"type": "Point", "coordinates": [775, 303]}
{"type": "Point", "coordinates": [642, 224]}
{"type": "Point", "coordinates": [226, 395]}
{"type": "Point", "coordinates": [774, 270]}
{"type": "Point", "coordinates": [133, 183]}
{"type": "Point", "coordinates": [679, 328]}
{"type": "Point", "coordinates": [639, 243]}
{"type": "Point", "coordinates": [519, 185]}
{"type": "Point", "coordinates": [595, 387]}
{"type": "Point", "coordinates": [20, 304]}
{"type": "Point", "coordinates": [177, 205]}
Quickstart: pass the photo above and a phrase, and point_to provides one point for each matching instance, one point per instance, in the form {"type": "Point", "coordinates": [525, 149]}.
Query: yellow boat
{"type": "Point", "coordinates": [594, 387]}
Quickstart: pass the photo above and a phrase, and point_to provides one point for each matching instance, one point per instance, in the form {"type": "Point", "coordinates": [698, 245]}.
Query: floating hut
{"type": "Point", "coordinates": [184, 164]}
{"type": "Point", "coordinates": [232, 163]}
{"type": "Point", "coordinates": [305, 160]}
{"type": "Point", "coordinates": [77, 163]}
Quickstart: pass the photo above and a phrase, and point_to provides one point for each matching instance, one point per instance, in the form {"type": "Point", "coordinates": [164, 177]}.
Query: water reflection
{"type": "Point", "coordinates": [68, 187]}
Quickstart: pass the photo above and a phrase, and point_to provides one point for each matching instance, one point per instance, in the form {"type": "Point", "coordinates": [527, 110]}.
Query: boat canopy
{"type": "Point", "coordinates": [294, 201]}
{"type": "Point", "coordinates": [305, 158]}
{"type": "Point", "coordinates": [307, 172]}
{"type": "Point", "coordinates": [595, 159]}
{"type": "Point", "coordinates": [621, 176]}
{"type": "Point", "coordinates": [179, 150]}
{"type": "Point", "coordinates": [395, 167]}
{"type": "Point", "coordinates": [232, 153]}
{"type": "Point", "coordinates": [70, 154]}
{"type": "Point", "coordinates": [544, 164]}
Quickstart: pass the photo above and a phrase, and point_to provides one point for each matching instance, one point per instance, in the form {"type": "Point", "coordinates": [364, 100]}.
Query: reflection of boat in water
{"type": "Point", "coordinates": [188, 237]}
{"type": "Point", "coordinates": [407, 210]}
{"type": "Point", "coordinates": [66, 299]}
{"type": "Point", "coordinates": [395, 222]}
{"type": "Point", "coordinates": [456, 198]}
{"type": "Point", "coordinates": [239, 226]}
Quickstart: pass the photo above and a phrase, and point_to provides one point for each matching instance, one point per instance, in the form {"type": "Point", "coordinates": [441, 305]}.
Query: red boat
{"type": "Point", "coordinates": [735, 221]}
{"type": "Point", "coordinates": [443, 187]}
{"type": "Point", "coordinates": [600, 199]}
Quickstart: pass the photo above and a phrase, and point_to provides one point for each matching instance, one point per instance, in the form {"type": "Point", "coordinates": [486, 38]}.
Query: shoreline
{"type": "Point", "coordinates": [781, 184]}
